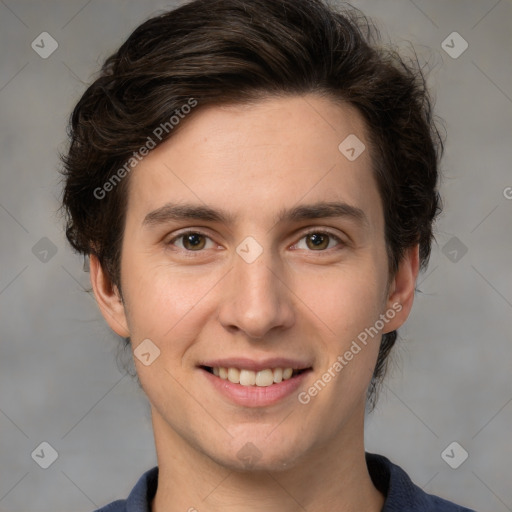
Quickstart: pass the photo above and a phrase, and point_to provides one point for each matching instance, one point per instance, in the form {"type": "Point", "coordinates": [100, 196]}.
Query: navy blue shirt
{"type": "Point", "coordinates": [391, 480]}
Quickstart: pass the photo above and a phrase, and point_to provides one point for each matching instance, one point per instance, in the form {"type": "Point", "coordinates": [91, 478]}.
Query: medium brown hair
{"type": "Point", "coordinates": [238, 51]}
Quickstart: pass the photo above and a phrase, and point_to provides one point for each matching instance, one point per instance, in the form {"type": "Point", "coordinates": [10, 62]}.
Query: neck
{"type": "Point", "coordinates": [332, 477]}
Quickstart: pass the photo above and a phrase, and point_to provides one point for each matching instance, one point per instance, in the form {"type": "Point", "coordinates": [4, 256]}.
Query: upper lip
{"type": "Point", "coordinates": [256, 365]}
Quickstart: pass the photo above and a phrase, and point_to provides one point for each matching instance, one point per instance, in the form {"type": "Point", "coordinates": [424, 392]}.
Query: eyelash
{"type": "Point", "coordinates": [311, 232]}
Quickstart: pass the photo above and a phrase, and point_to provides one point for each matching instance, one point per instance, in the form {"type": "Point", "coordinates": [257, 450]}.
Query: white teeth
{"type": "Point", "coordinates": [287, 373]}
{"type": "Point", "coordinates": [234, 375]}
{"type": "Point", "coordinates": [247, 377]}
{"type": "Point", "coordinates": [263, 378]}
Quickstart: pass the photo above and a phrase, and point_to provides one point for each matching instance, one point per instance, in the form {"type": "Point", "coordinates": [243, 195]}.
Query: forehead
{"type": "Point", "coordinates": [278, 153]}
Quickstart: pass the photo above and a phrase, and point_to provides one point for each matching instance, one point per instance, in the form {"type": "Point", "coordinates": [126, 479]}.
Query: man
{"type": "Point", "coordinates": [255, 184]}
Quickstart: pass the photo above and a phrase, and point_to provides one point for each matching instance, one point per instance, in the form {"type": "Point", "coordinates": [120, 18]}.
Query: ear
{"type": "Point", "coordinates": [108, 298]}
{"type": "Point", "coordinates": [401, 289]}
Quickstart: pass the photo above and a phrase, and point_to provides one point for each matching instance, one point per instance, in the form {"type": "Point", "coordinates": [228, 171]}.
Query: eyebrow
{"type": "Point", "coordinates": [178, 212]}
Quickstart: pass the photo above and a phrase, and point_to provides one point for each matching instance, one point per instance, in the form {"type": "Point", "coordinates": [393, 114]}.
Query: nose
{"type": "Point", "coordinates": [256, 298]}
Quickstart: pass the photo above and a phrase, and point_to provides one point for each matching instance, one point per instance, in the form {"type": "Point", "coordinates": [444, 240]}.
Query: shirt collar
{"type": "Point", "coordinates": [391, 480]}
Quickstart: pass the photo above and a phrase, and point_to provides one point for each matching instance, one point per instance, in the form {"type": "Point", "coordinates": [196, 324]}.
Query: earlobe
{"type": "Point", "coordinates": [108, 298]}
{"type": "Point", "coordinates": [401, 289]}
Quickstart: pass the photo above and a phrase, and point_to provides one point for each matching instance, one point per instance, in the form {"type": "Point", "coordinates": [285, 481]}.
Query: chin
{"type": "Point", "coordinates": [259, 454]}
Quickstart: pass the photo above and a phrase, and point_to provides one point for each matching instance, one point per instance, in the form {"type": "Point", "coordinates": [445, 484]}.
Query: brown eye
{"type": "Point", "coordinates": [193, 241]}
{"type": "Point", "coordinates": [317, 241]}
{"type": "Point", "coordinates": [190, 241]}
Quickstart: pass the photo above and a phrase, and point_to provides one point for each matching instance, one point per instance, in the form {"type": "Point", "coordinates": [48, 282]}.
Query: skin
{"type": "Point", "coordinates": [295, 300]}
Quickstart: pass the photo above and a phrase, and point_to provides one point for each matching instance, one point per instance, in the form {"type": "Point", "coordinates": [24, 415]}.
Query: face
{"type": "Point", "coordinates": [254, 247]}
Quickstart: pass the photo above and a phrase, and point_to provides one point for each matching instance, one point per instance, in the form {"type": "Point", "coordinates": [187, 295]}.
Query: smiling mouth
{"type": "Point", "coordinates": [262, 378]}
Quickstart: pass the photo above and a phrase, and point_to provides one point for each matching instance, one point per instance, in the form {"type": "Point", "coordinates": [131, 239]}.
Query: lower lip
{"type": "Point", "coordinates": [255, 396]}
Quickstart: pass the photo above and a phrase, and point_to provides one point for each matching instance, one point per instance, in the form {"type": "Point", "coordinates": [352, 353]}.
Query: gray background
{"type": "Point", "coordinates": [59, 381]}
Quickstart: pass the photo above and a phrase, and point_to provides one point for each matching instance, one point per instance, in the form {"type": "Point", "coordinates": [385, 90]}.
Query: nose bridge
{"type": "Point", "coordinates": [256, 300]}
{"type": "Point", "coordinates": [257, 280]}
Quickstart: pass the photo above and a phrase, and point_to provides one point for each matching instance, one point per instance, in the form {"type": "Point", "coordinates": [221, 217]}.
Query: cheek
{"type": "Point", "coordinates": [163, 300]}
{"type": "Point", "coordinates": [345, 301]}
